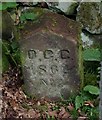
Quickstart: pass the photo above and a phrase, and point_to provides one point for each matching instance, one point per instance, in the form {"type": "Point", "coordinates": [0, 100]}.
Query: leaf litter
{"type": "Point", "coordinates": [15, 104]}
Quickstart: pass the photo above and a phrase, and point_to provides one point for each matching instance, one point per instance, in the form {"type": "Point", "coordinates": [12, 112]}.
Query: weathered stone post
{"type": "Point", "coordinates": [51, 56]}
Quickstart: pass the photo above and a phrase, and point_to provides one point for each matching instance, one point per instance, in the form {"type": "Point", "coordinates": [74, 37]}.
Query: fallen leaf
{"type": "Point", "coordinates": [31, 113]}
{"type": "Point", "coordinates": [52, 113]}
{"type": "Point", "coordinates": [66, 115]}
{"type": "Point", "coordinates": [70, 107]}
{"type": "Point", "coordinates": [62, 111]}
{"type": "Point", "coordinates": [89, 103]}
{"type": "Point", "coordinates": [82, 118]}
{"type": "Point", "coordinates": [38, 103]}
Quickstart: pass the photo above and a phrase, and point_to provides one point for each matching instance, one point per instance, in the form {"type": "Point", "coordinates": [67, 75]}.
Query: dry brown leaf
{"type": "Point", "coordinates": [66, 115]}
{"type": "Point", "coordinates": [32, 113]}
{"type": "Point", "coordinates": [37, 115]}
{"type": "Point", "coordinates": [70, 107]}
{"type": "Point", "coordinates": [14, 104]}
{"type": "Point", "coordinates": [81, 113]}
{"type": "Point", "coordinates": [38, 103]}
{"type": "Point", "coordinates": [52, 113]}
{"type": "Point", "coordinates": [62, 111]}
{"type": "Point", "coordinates": [89, 103]}
{"type": "Point", "coordinates": [82, 118]}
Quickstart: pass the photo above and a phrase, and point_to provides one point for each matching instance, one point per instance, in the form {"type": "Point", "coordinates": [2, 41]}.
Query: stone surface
{"type": "Point", "coordinates": [90, 40]}
{"type": "Point", "coordinates": [67, 7]}
{"type": "Point", "coordinates": [9, 31]}
{"type": "Point", "coordinates": [51, 57]}
{"type": "Point", "coordinates": [89, 14]}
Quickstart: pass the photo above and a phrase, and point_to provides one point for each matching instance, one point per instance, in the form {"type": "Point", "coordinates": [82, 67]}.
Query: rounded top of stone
{"type": "Point", "coordinates": [54, 23]}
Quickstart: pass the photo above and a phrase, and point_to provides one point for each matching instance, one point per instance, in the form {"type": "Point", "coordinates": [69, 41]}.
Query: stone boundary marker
{"type": "Point", "coordinates": [51, 56]}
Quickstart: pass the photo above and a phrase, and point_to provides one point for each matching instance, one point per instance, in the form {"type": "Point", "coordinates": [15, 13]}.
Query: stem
{"type": "Point", "coordinates": [10, 54]}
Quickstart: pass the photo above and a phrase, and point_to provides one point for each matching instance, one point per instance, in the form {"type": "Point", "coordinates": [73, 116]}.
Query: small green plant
{"type": "Point", "coordinates": [85, 101]}
{"type": "Point", "coordinates": [27, 16]}
{"type": "Point", "coordinates": [92, 54]}
{"type": "Point", "coordinates": [84, 96]}
{"type": "Point", "coordinates": [7, 5]}
{"type": "Point", "coordinates": [92, 89]}
{"type": "Point", "coordinates": [79, 101]}
{"type": "Point", "coordinates": [12, 52]}
{"type": "Point", "coordinates": [74, 114]}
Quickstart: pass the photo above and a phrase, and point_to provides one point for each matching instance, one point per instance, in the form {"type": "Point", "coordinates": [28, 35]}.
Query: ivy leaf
{"type": "Point", "coordinates": [11, 4]}
{"type": "Point", "coordinates": [92, 89]}
{"type": "Point", "coordinates": [92, 54]}
{"type": "Point", "coordinates": [14, 45]}
{"type": "Point", "coordinates": [3, 6]}
{"type": "Point", "coordinates": [29, 16]}
{"type": "Point", "coordinates": [78, 102]}
{"type": "Point", "coordinates": [22, 18]}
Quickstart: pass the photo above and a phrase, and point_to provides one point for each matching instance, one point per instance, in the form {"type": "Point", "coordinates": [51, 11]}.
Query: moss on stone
{"type": "Point", "coordinates": [9, 31]}
{"type": "Point", "coordinates": [80, 60]}
{"type": "Point", "coordinates": [72, 8]}
{"type": "Point", "coordinates": [89, 16]}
